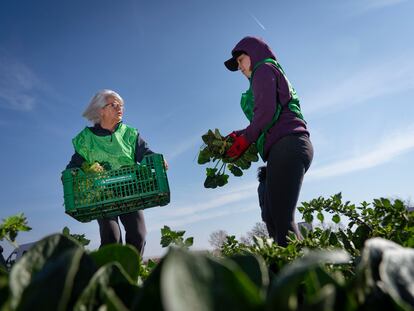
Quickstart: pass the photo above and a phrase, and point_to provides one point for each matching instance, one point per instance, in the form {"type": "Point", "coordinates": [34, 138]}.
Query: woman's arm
{"type": "Point", "coordinates": [265, 98]}
{"type": "Point", "coordinates": [76, 161]}
{"type": "Point", "coordinates": [141, 149]}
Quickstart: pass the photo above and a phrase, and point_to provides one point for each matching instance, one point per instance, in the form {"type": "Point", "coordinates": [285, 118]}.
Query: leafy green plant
{"type": "Point", "coordinates": [214, 150]}
{"type": "Point", "coordinates": [170, 237]}
{"type": "Point", "coordinates": [11, 226]}
{"type": "Point", "coordinates": [58, 274]}
{"type": "Point", "coordinates": [84, 183]}
{"type": "Point", "coordinates": [384, 218]}
{"type": "Point", "coordinates": [78, 237]}
{"type": "Point", "coordinates": [316, 273]}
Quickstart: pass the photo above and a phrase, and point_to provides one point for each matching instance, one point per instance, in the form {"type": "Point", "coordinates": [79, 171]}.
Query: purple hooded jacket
{"type": "Point", "coordinates": [269, 86]}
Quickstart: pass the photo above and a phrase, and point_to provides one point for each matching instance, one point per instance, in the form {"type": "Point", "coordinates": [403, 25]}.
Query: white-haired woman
{"type": "Point", "coordinates": [111, 141]}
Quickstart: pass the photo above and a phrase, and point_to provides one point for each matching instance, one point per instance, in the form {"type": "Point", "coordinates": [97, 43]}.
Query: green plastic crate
{"type": "Point", "coordinates": [116, 192]}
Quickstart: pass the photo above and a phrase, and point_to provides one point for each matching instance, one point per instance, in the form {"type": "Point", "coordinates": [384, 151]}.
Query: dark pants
{"type": "Point", "coordinates": [287, 163]}
{"type": "Point", "coordinates": [134, 225]}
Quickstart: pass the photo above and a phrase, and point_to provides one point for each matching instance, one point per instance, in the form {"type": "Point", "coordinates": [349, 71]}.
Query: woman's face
{"type": "Point", "coordinates": [113, 110]}
{"type": "Point", "coordinates": [245, 65]}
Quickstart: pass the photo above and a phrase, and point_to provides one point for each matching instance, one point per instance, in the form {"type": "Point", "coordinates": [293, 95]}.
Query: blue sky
{"type": "Point", "coordinates": [350, 62]}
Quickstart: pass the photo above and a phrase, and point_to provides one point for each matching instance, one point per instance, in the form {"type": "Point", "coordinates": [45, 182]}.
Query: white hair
{"type": "Point", "coordinates": [98, 102]}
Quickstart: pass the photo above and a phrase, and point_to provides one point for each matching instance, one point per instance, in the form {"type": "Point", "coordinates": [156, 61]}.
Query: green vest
{"type": "Point", "coordinates": [117, 149]}
{"type": "Point", "coordinates": [247, 104]}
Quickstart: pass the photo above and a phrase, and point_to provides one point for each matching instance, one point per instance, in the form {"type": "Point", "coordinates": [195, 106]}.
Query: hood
{"type": "Point", "coordinates": [256, 48]}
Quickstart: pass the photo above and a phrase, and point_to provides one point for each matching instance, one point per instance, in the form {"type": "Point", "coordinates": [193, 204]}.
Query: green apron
{"type": "Point", "coordinates": [117, 149]}
{"type": "Point", "coordinates": [247, 104]}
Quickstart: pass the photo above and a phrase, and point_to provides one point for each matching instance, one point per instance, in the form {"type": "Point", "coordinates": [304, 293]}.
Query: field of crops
{"type": "Point", "coordinates": [367, 265]}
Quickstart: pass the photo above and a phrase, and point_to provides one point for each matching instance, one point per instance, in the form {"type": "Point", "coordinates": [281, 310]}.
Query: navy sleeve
{"type": "Point", "coordinates": [76, 161]}
{"type": "Point", "coordinates": [141, 149]}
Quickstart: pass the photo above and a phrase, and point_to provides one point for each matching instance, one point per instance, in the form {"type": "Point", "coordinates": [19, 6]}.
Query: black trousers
{"type": "Point", "coordinates": [135, 230]}
{"type": "Point", "coordinates": [287, 163]}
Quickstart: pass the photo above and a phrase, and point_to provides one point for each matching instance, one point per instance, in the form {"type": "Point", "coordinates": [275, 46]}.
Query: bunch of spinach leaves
{"type": "Point", "coordinates": [214, 150]}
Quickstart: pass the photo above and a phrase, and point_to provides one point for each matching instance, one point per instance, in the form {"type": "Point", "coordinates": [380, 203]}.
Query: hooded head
{"type": "Point", "coordinates": [256, 48]}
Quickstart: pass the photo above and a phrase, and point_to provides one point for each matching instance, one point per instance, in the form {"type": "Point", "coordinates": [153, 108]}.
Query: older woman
{"type": "Point", "coordinates": [111, 141]}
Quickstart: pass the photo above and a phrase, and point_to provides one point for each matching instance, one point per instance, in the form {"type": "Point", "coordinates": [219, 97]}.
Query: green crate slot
{"type": "Point", "coordinates": [116, 192]}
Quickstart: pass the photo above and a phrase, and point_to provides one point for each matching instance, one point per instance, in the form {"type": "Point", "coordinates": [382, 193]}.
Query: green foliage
{"type": "Point", "coordinates": [81, 238]}
{"type": "Point", "coordinates": [175, 238]}
{"type": "Point", "coordinates": [85, 186]}
{"type": "Point", "coordinates": [125, 255]}
{"type": "Point", "coordinates": [145, 269]}
{"type": "Point", "coordinates": [51, 275]}
{"type": "Point", "coordinates": [214, 150]}
{"type": "Point", "coordinates": [323, 271]}
{"type": "Point", "coordinates": [11, 226]}
{"type": "Point", "coordinates": [110, 286]}
{"type": "Point", "coordinates": [96, 167]}
{"type": "Point", "coordinates": [383, 218]}
{"type": "Point", "coordinates": [58, 274]}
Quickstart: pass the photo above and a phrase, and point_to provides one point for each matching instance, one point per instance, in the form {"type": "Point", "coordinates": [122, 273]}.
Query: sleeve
{"type": "Point", "coordinates": [141, 149]}
{"type": "Point", "coordinates": [76, 161]}
{"type": "Point", "coordinates": [265, 97]}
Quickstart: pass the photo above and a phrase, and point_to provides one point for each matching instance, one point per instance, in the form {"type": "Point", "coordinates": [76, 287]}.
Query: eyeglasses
{"type": "Point", "coordinates": [115, 106]}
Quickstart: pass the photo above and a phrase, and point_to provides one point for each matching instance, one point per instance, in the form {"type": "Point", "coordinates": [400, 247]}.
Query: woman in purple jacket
{"type": "Point", "coordinates": [278, 129]}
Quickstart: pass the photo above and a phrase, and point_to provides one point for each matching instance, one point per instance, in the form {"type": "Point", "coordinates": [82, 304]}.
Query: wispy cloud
{"type": "Point", "coordinates": [18, 85]}
{"type": "Point", "coordinates": [367, 5]}
{"type": "Point", "coordinates": [230, 197]}
{"type": "Point", "coordinates": [383, 78]}
{"type": "Point", "coordinates": [394, 145]}
{"type": "Point", "coordinates": [217, 206]}
{"type": "Point", "coordinates": [180, 148]}
{"type": "Point", "coordinates": [177, 222]}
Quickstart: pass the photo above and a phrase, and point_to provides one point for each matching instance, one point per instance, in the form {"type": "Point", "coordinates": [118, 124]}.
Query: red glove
{"type": "Point", "coordinates": [239, 146]}
{"type": "Point", "coordinates": [232, 135]}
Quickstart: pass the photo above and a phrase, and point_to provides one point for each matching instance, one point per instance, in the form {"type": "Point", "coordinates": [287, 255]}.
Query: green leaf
{"type": "Point", "coordinates": [4, 291]}
{"type": "Point", "coordinates": [189, 242]}
{"type": "Point", "coordinates": [217, 134]}
{"type": "Point", "coordinates": [221, 180]}
{"type": "Point", "coordinates": [320, 216]}
{"type": "Point", "coordinates": [361, 234]}
{"type": "Point", "coordinates": [336, 219]}
{"type": "Point", "coordinates": [204, 156]}
{"type": "Point", "coordinates": [51, 275]}
{"type": "Point", "coordinates": [255, 268]}
{"type": "Point", "coordinates": [235, 170]}
{"type": "Point", "coordinates": [282, 294]}
{"type": "Point", "coordinates": [66, 231]}
{"type": "Point", "coordinates": [12, 225]}
{"type": "Point", "coordinates": [210, 182]}
{"type": "Point", "coordinates": [110, 286]}
{"type": "Point", "coordinates": [198, 282]}
{"type": "Point", "coordinates": [211, 172]}
{"type": "Point", "coordinates": [308, 217]}
{"type": "Point", "coordinates": [125, 255]}
{"type": "Point", "coordinates": [243, 164]}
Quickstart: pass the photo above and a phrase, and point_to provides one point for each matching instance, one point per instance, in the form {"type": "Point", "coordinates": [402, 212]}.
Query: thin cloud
{"type": "Point", "coordinates": [197, 217]}
{"type": "Point", "coordinates": [377, 4]}
{"type": "Point", "coordinates": [181, 148]}
{"type": "Point", "coordinates": [18, 85]}
{"type": "Point", "coordinates": [242, 193]}
{"type": "Point", "coordinates": [393, 146]}
{"type": "Point", "coordinates": [218, 206]}
{"type": "Point", "coordinates": [383, 78]}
